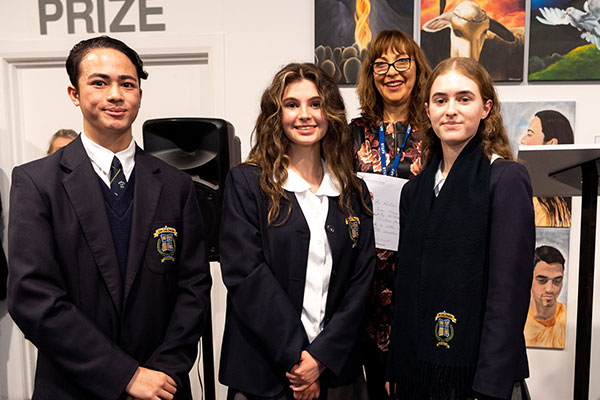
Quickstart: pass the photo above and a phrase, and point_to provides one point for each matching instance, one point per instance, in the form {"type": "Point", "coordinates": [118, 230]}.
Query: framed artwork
{"type": "Point", "coordinates": [519, 115]}
{"type": "Point", "coordinates": [344, 29]}
{"type": "Point", "coordinates": [546, 320]}
{"type": "Point", "coordinates": [491, 32]}
{"type": "Point", "coordinates": [545, 123]}
{"type": "Point", "coordinates": [564, 40]}
{"type": "Point", "coordinates": [542, 123]}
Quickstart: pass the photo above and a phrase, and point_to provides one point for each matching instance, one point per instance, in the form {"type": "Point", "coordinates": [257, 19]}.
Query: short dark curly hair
{"type": "Point", "coordinates": [100, 42]}
{"type": "Point", "coordinates": [549, 255]}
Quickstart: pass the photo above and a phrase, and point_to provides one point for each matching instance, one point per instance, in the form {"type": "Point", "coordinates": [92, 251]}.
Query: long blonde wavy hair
{"type": "Point", "coordinates": [491, 129]}
{"type": "Point", "coordinates": [271, 145]}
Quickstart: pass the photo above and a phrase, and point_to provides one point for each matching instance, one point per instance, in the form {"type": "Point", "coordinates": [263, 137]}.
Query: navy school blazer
{"type": "Point", "coordinates": [502, 355]}
{"type": "Point", "coordinates": [65, 290]}
{"type": "Point", "coordinates": [264, 269]}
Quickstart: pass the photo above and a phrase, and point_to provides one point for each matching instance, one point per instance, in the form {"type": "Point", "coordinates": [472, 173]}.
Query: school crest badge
{"type": "Point", "coordinates": [165, 243]}
{"type": "Point", "coordinates": [444, 330]}
{"type": "Point", "coordinates": [353, 229]}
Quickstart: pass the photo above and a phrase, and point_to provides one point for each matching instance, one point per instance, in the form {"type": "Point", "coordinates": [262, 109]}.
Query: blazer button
{"type": "Point", "coordinates": [330, 228]}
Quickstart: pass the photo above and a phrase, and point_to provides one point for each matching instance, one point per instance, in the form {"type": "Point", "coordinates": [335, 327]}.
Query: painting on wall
{"type": "Point", "coordinates": [564, 40]}
{"type": "Point", "coordinates": [491, 32]}
{"type": "Point", "coordinates": [519, 115]}
{"type": "Point", "coordinates": [547, 316]}
{"type": "Point", "coordinates": [344, 29]}
{"type": "Point", "coordinates": [542, 123]}
{"type": "Point", "coordinates": [545, 123]}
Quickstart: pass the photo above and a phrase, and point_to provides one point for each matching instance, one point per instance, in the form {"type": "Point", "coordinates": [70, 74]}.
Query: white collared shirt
{"type": "Point", "coordinates": [439, 179]}
{"type": "Point", "coordinates": [315, 207]}
{"type": "Point", "coordinates": [101, 158]}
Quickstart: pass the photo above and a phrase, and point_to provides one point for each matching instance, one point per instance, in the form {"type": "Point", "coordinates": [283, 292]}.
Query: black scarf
{"type": "Point", "coordinates": [441, 281]}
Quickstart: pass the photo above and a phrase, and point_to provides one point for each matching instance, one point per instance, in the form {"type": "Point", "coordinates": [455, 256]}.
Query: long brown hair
{"type": "Point", "coordinates": [371, 102]}
{"type": "Point", "coordinates": [271, 145]}
{"type": "Point", "coordinates": [492, 133]}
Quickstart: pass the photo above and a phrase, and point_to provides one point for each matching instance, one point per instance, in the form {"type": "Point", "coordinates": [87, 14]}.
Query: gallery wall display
{"type": "Point", "coordinates": [546, 123]}
{"type": "Point", "coordinates": [564, 40]}
{"type": "Point", "coordinates": [489, 31]}
{"type": "Point", "coordinates": [344, 28]}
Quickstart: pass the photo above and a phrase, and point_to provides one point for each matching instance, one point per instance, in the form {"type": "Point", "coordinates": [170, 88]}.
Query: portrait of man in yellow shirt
{"type": "Point", "coordinates": [546, 319]}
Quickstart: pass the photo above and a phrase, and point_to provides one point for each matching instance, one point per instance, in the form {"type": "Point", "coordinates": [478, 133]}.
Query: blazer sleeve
{"type": "Point", "coordinates": [512, 244]}
{"type": "Point", "coordinates": [255, 294]}
{"type": "Point", "coordinates": [176, 355]}
{"type": "Point", "coordinates": [335, 342]}
{"type": "Point", "coordinates": [38, 300]}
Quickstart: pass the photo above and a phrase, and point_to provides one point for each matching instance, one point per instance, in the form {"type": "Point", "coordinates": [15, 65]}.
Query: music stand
{"type": "Point", "coordinates": [572, 170]}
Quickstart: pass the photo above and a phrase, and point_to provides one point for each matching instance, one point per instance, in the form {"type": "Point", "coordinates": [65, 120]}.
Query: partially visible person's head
{"type": "Point", "coordinates": [548, 275]}
{"type": "Point", "coordinates": [375, 91]}
{"type": "Point", "coordinates": [490, 127]}
{"type": "Point", "coordinates": [548, 127]}
{"type": "Point", "coordinates": [61, 138]}
{"type": "Point", "coordinates": [106, 77]}
{"type": "Point", "coordinates": [81, 49]}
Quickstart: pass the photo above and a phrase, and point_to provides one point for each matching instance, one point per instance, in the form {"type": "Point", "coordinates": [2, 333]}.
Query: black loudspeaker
{"type": "Point", "coordinates": [206, 149]}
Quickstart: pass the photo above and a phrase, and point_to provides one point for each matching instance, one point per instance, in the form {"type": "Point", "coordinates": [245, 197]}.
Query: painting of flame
{"type": "Point", "coordinates": [344, 29]}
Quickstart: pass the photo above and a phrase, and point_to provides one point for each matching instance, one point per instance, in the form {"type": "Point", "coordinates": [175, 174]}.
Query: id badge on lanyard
{"type": "Point", "coordinates": [382, 150]}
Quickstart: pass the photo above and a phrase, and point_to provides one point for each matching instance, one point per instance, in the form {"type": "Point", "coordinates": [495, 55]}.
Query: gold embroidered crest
{"type": "Point", "coordinates": [165, 245]}
{"type": "Point", "coordinates": [353, 229]}
{"type": "Point", "coordinates": [444, 330]}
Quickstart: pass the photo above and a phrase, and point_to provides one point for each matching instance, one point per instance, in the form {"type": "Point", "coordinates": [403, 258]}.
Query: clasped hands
{"type": "Point", "coordinates": [304, 377]}
{"type": "Point", "coordinates": [148, 384]}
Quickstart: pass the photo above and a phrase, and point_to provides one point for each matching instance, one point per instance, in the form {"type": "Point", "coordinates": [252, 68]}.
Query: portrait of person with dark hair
{"type": "Point", "coordinates": [547, 317]}
{"type": "Point", "coordinates": [549, 127]}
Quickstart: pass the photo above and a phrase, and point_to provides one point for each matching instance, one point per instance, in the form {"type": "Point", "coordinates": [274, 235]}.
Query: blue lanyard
{"type": "Point", "coordinates": [382, 150]}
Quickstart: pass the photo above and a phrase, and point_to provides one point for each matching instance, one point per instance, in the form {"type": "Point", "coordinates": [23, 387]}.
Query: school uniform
{"type": "Point", "coordinates": [264, 267]}
{"type": "Point", "coordinates": [93, 316]}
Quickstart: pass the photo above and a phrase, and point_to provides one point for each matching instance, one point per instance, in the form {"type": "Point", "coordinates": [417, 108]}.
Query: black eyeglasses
{"type": "Point", "coordinates": [400, 65]}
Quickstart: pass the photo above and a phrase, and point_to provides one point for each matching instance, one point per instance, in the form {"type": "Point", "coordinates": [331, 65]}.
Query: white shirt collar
{"type": "Point", "coordinates": [329, 186]}
{"type": "Point", "coordinates": [102, 158]}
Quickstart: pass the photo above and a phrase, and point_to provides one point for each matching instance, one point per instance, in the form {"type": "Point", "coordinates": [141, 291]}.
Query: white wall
{"type": "Point", "coordinates": [258, 38]}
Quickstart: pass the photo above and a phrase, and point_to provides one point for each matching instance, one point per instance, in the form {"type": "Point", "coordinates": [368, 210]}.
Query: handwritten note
{"type": "Point", "coordinates": [385, 192]}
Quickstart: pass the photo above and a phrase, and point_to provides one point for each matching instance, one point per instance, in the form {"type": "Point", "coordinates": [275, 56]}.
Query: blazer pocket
{"type": "Point", "coordinates": [162, 253]}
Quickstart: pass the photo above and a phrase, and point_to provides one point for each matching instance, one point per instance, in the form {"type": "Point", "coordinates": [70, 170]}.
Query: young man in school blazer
{"type": "Point", "coordinates": [108, 274]}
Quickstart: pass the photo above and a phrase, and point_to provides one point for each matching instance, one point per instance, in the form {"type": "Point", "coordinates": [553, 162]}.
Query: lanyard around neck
{"type": "Point", "coordinates": [382, 150]}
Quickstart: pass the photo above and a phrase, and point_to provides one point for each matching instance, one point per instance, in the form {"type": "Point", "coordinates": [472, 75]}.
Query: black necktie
{"type": "Point", "coordinates": [118, 182]}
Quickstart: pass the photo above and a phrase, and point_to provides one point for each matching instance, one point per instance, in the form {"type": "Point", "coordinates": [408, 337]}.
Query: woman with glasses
{"type": "Point", "coordinates": [391, 79]}
{"type": "Point", "coordinates": [297, 249]}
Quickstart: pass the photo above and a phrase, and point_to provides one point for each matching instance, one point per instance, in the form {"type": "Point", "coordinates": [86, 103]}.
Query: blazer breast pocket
{"type": "Point", "coordinates": [162, 253]}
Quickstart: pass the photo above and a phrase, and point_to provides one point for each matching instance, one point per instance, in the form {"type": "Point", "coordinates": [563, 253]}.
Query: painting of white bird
{"type": "Point", "coordinates": [564, 40]}
{"type": "Point", "coordinates": [586, 21]}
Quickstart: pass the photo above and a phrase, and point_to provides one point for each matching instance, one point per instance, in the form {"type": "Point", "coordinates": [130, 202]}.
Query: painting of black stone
{"type": "Point", "coordinates": [344, 29]}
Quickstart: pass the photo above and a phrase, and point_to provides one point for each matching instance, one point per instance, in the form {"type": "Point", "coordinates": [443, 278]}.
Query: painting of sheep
{"type": "Point", "coordinates": [491, 32]}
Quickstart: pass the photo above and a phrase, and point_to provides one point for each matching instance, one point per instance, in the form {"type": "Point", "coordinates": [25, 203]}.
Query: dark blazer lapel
{"type": "Point", "coordinates": [81, 185]}
{"type": "Point", "coordinates": [147, 191]}
{"type": "Point", "coordinates": [298, 265]}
